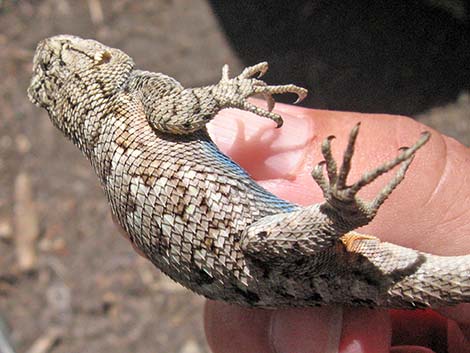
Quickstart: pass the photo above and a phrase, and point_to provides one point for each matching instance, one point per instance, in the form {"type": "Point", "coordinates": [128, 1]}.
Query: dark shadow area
{"type": "Point", "coordinates": [400, 57]}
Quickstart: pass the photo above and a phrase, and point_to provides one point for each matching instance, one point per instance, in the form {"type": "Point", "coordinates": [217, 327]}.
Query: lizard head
{"type": "Point", "coordinates": [73, 78]}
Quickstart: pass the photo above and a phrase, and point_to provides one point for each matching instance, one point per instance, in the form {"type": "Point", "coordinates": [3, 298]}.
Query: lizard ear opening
{"type": "Point", "coordinates": [102, 57]}
{"type": "Point", "coordinates": [112, 68]}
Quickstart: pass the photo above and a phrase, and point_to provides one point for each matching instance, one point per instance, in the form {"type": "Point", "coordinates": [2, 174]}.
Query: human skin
{"type": "Point", "coordinates": [429, 211]}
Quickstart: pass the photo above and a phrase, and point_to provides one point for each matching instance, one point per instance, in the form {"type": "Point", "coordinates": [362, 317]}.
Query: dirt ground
{"type": "Point", "coordinates": [68, 281]}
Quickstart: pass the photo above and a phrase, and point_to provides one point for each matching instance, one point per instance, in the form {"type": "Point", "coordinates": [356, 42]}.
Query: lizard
{"type": "Point", "coordinates": [201, 219]}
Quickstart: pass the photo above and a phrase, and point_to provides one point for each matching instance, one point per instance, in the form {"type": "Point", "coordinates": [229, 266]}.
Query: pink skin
{"type": "Point", "coordinates": [429, 211]}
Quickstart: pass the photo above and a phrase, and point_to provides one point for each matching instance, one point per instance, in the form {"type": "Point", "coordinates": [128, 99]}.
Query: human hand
{"type": "Point", "coordinates": [429, 211]}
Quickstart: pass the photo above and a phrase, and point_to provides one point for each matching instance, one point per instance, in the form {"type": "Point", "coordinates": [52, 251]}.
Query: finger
{"type": "Point", "coordinates": [232, 329]}
{"type": "Point", "coordinates": [458, 337]}
{"type": "Point", "coordinates": [279, 158]}
{"type": "Point", "coordinates": [306, 330]}
{"type": "Point", "coordinates": [429, 211]}
{"type": "Point", "coordinates": [321, 330]}
{"type": "Point", "coordinates": [458, 327]}
{"type": "Point", "coordinates": [359, 323]}
{"type": "Point", "coordinates": [423, 328]}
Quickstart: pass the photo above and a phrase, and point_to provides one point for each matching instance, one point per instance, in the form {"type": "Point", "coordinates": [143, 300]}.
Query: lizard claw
{"type": "Point", "coordinates": [232, 93]}
{"type": "Point", "coordinates": [269, 101]}
{"type": "Point", "coordinates": [251, 71]}
{"type": "Point", "coordinates": [301, 94]}
{"type": "Point", "coordinates": [225, 73]}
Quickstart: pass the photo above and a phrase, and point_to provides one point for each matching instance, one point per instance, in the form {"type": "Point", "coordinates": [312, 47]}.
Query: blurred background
{"type": "Point", "coordinates": [68, 281]}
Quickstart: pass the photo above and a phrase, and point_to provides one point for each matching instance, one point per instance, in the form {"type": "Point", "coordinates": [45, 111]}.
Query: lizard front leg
{"type": "Point", "coordinates": [171, 108]}
{"type": "Point", "coordinates": [311, 229]}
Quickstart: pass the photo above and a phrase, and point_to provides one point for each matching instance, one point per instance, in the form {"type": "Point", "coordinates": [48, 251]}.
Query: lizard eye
{"type": "Point", "coordinates": [102, 57]}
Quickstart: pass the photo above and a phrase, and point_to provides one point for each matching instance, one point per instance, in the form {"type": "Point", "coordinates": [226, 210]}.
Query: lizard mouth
{"type": "Point", "coordinates": [48, 71]}
{"type": "Point", "coordinates": [42, 85]}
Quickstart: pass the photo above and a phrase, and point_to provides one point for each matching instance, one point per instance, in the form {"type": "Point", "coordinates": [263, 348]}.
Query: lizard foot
{"type": "Point", "coordinates": [233, 92]}
{"type": "Point", "coordinates": [342, 197]}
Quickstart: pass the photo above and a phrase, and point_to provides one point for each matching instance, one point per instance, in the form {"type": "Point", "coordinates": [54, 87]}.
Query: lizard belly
{"type": "Point", "coordinates": [186, 218]}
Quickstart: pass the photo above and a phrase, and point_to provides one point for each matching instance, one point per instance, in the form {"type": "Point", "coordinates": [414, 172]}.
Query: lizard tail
{"type": "Point", "coordinates": [435, 281]}
{"type": "Point", "coordinates": [412, 279]}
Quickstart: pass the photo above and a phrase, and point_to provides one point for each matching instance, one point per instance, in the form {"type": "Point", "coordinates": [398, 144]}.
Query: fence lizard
{"type": "Point", "coordinates": [201, 219]}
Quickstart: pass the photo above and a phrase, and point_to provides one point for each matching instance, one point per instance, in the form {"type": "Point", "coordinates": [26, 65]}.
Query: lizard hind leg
{"type": "Point", "coordinates": [342, 198]}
